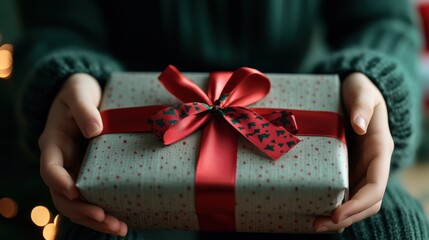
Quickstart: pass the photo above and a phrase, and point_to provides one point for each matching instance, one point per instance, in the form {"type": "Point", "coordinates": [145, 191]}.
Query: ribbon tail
{"type": "Point", "coordinates": [284, 119]}
{"type": "Point", "coordinates": [271, 139]}
{"type": "Point", "coordinates": [215, 177]}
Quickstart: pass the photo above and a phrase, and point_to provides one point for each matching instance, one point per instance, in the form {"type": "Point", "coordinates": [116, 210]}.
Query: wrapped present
{"type": "Point", "coordinates": [257, 153]}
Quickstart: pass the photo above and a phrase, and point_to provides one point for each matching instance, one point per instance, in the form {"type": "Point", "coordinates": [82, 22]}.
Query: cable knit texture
{"type": "Point", "coordinates": [378, 38]}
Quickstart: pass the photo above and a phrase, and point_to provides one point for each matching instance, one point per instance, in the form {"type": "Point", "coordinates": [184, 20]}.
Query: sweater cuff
{"type": "Point", "coordinates": [46, 78]}
{"type": "Point", "coordinates": [394, 84]}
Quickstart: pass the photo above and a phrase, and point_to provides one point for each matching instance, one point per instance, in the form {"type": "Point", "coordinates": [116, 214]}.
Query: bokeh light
{"type": "Point", "coordinates": [6, 60]}
{"type": "Point", "coordinates": [56, 219]}
{"type": "Point", "coordinates": [49, 231]}
{"type": "Point", "coordinates": [40, 216]}
{"type": "Point", "coordinates": [8, 207]}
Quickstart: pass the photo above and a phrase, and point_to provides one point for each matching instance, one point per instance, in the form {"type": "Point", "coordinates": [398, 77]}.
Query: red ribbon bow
{"type": "Point", "coordinates": [225, 99]}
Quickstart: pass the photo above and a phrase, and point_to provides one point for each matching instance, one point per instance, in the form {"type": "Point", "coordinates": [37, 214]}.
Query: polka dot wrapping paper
{"type": "Point", "coordinates": [134, 177]}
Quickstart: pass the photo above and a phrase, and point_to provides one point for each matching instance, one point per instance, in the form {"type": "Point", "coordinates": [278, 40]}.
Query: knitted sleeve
{"type": "Point", "coordinates": [61, 38]}
{"type": "Point", "coordinates": [380, 39]}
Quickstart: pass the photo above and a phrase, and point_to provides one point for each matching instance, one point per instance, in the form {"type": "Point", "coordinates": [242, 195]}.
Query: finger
{"type": "Point", "coordinates": [356, 186]}
{"type": "Point", "coordinates": [83, 98]}
{"type": "Point", "coordinates": [123, 230]}
{"type": "Point", "coordinates": [110, 225]}
{"type": "Point", "coordinates": [376, 146]}
{"type": "Point", "coordinates": [325, 224]}
{"type": "Point", "coordinates": [53, 172]}
{"type": "Point", "coordinates": [77, 209]}
{"type": "Point", "coordinates": [361, 201]}
{"type": "Point", "coordinates": [88, 215]}
{"type": "Point", "coordinates": [370, 193]}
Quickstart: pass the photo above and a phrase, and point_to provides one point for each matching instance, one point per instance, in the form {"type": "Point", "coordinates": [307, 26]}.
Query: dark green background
{"type": "Point", "coordinates": [19, 174]}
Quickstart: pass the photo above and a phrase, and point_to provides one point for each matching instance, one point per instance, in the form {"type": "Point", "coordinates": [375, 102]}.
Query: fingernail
{"type": "Point", "coordinates": [360, 121]}
{"type": "Point", "coordinates": [322, 229]}
{"type": "Point", "coordinates": [92, 128]}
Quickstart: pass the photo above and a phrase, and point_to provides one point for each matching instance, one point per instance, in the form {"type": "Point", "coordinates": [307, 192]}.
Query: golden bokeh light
{"type": "Point", "coordinates": [5, 56]}
{"type": "Point", "coordinates": [40, 216]}
{"type": "Point", "coordinates": [6, 60]}
{"type": "Point", "coordinates": [56, 219]}
{"type": "Point", "coordinates": [49, 231]}
{"type": "Point", "coordinates": [8, 207]}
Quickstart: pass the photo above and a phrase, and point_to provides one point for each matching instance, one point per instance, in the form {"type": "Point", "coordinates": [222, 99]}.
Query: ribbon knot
{"type": "Point", "coordinates": [245, 86]}
{"type": "Point", "coordinates": [217, 109]}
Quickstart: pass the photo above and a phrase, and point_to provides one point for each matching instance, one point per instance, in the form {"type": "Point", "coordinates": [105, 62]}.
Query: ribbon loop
{"type": "Point", "coordinates": [217, 82]}
{"type": "Point", "coordinates": [181, 87]}
{"type": "Point", "coordinates": [246, 86]}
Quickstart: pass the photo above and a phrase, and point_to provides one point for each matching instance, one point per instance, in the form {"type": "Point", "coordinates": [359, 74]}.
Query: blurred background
{"type": "Point", "coordinates": [26, 211]}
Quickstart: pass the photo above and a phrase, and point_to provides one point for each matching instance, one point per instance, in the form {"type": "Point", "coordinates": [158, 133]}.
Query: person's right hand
{"type": "Point", "coordinates": [72, 116]}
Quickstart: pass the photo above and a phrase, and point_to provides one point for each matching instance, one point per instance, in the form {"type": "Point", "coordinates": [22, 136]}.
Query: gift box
{"type": "Point", "coordinates": [223, 181]}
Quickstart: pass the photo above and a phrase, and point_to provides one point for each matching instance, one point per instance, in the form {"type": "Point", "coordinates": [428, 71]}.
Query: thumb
{"type": "Point", "coordinates": [360, 115]}
{"type": "Point", "coordinates": [83, 97]}
{"type": "Point", "coordinates": [359, 101]}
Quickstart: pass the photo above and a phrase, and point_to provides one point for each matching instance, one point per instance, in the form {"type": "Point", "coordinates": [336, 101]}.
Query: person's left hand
{"type": "Point", "coordinates": [370, 153]}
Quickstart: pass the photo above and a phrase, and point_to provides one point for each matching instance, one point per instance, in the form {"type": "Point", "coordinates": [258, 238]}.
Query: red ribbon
{"type": "Point", "coordinates": [216, 165]}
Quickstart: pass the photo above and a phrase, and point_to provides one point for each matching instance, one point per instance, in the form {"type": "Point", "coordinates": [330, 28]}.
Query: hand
{"type": "Point", "coordinates": [371, 151]}
{"type": "Point", "coordinates": [73, 113]}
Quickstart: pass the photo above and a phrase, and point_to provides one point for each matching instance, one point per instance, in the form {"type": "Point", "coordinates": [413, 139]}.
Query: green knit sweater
{"type": "Point", "coordinates": [378, 38]}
